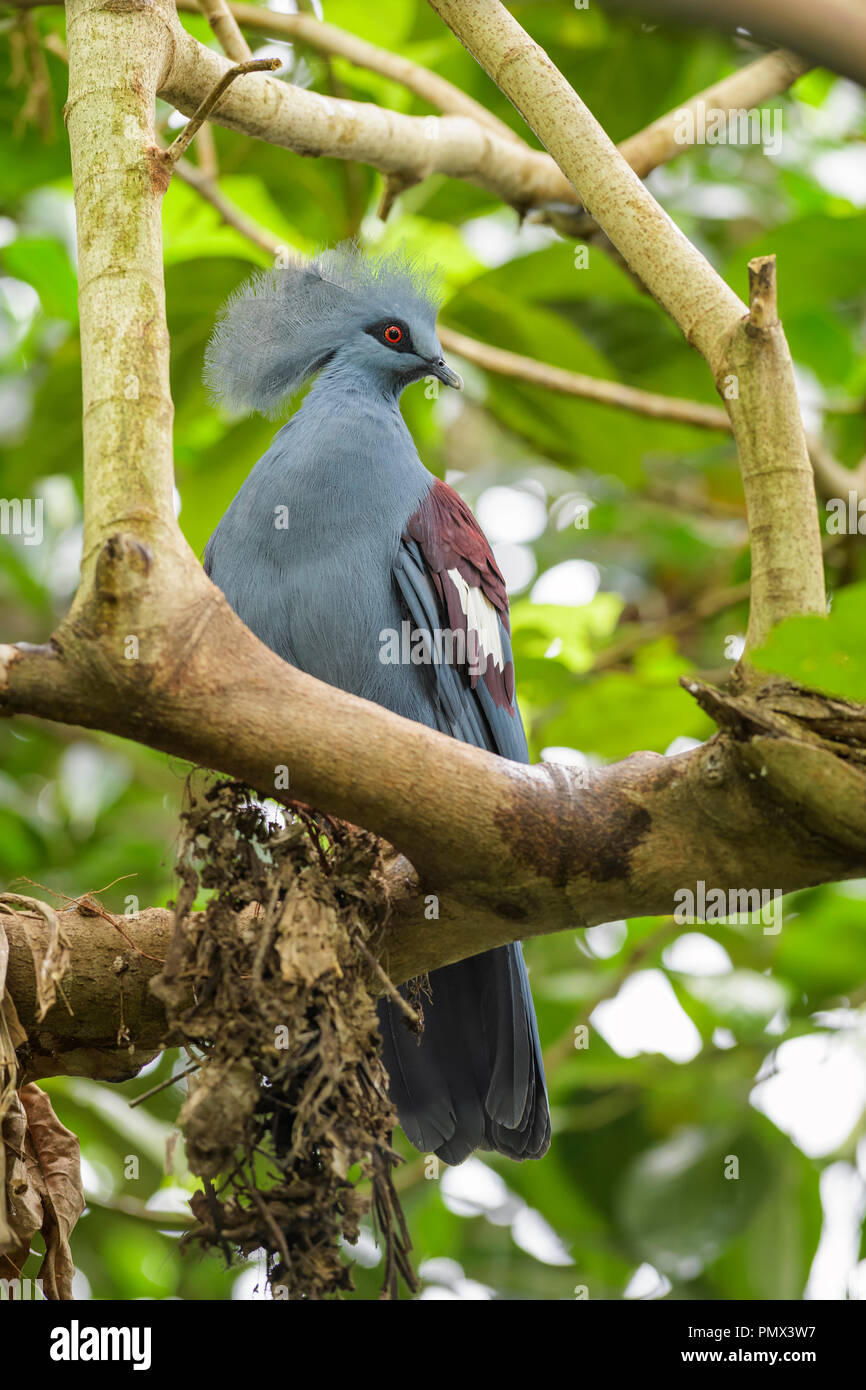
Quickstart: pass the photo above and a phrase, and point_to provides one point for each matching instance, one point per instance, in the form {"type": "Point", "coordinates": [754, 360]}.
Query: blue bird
{"type": "Point", "coordinates": [339, 544]}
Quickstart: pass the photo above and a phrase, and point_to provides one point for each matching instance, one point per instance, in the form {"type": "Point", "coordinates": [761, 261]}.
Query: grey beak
{"type": "Point", "coordinates": [440, 368]}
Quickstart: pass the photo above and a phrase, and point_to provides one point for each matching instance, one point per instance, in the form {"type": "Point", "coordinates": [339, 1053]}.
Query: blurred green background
{"type": "Point", "coordinates": [704, 1043]}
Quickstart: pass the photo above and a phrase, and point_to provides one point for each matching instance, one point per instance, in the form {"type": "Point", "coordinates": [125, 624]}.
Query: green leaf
{"type": "Point", "coordinates": [827, 653]}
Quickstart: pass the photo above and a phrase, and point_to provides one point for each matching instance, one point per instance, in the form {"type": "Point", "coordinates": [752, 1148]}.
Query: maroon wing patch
{"type": "Point", "coordinates": [469, 584]}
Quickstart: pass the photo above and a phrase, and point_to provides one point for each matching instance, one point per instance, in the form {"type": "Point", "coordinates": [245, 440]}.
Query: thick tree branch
{"type": "Point", "coordinates": [115, 1025]}
{"type": "Point", "coordinates": [338, 43]}
{"type": "Point", "coordinates": [775, 801]}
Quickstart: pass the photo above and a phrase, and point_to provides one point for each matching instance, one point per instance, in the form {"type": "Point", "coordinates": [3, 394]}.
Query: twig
{"type": "Point", "coordinates": [90, 905]}
{"type": "Point", "coordinates": [390, 989]}
{"type": "Point", "coordinates": [706, 606]}
{"type": "Point", "coordinates": [130, 1206]}
{"type": "Point", "coordinates": [164, 1085]}
{"type": "Point", "coordinates": [178, 146]}
{"type": "Point", "coordinates": [270, 1221]}
{"type": "Point", "coordinates": [649, 403]}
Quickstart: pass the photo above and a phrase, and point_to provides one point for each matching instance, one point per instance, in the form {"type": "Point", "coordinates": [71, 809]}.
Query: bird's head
{"type": "Point", "coordinates": [373, 316]}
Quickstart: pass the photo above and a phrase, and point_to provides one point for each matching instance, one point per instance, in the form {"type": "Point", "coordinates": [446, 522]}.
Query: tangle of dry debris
{"type": "Point", "coordinates": [288, 1119]}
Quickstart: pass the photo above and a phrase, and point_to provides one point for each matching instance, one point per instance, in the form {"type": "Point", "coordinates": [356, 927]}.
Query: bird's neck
{"type": "Point", "coordinates": [345, 388]}
{"type": "Point", "coordinates": [350, 439]}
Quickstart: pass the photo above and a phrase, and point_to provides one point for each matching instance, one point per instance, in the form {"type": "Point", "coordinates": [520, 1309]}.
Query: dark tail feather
{"type": "Point", "coordinates": [475, 1080]}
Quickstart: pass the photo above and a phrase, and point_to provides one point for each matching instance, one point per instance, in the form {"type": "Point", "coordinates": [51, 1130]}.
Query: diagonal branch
{"type": "Point", "coordinates": [225, 28]}
{"type": "Point", "coordinates": [200, 115]}
{"type": "Point", "coordinates": [748, 357]}
{"type": "Point", "coordinates": [590, 388]}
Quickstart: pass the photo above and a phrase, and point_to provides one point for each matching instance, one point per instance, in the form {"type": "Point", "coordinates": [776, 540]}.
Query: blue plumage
{"type": "Point", "coordinates": [340, 535]}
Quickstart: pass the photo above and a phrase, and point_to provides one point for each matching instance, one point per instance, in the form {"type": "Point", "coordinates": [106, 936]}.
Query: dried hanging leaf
{"type": "Point", "coordinates": [12, 1126]}
{"type": "Point", "coordinates": [20, 1203]}
{"type": "Point", "coordinates": [50, 959]}
{"type": "Point", "coordinates": [46, 1193]}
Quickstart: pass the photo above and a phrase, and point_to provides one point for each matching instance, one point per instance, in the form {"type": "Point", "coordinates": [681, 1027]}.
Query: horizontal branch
{"type": "Point", "coordinates": [338, 43]}
{"type": "Point", "coordinates": [776, 801]}
{"type": "Point", "coordinates": [408, 147]}
{"type": "Point", "coordinates": [509, 850]}
{"type": "Point", "coordinates": [591, 388]}
{"type": "Point", "coordinates": [108, 1025]}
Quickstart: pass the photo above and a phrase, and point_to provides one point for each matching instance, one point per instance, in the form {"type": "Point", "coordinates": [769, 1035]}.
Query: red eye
{"type": "Point", "coordinates": [393, 333]}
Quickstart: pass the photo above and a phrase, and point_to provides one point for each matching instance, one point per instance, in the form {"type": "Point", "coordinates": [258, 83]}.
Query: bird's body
{"type": "Point", "coordinates": [319, 590]}
{"type": "Point", "coordinates": [339, 537]}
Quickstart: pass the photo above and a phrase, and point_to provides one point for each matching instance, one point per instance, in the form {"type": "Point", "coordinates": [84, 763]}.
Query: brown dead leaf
{"type": "Point", "coordinates": [53, 1167]}
{"type": "Point", "coordinates": [20, 1204]}
{"type": "Point", "coordinates": [51, 956]}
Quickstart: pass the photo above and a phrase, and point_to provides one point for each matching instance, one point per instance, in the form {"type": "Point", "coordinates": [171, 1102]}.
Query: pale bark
{"type": "Point", "coordinates": [749, 359]}
{"type": "Point", "coordinates": [787, 568]}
